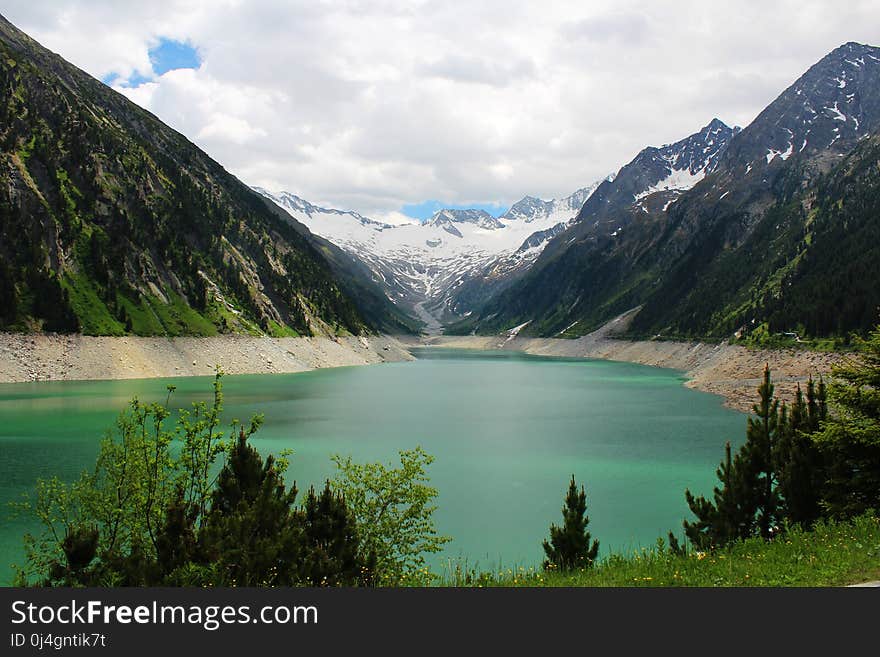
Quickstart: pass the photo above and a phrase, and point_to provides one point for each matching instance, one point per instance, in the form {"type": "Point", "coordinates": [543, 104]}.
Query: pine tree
{"type": "Point", "coordinates": [798, 462]}
{"type": "Point", "coordinates": [762, 436]}
{"type": "Point", "coordinates": [747, 503]}
{"type": "Point", "coordinates": [259, 538]}
{"type": "Point", "coordinates": [850, 437]}
{"type": "Point", "coordinates": [331, 541]}
{"type": "Point", "coordinates": [570, 546]}
{"type": "Point", "coordinates": [731, 515]}
{"type": "Point", "coordinates": [176, 542]}
{"type": "Point", "coordinates": [251, 530]}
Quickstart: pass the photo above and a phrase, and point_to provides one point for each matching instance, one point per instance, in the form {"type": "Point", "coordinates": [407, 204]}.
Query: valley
{"type": "Point", "coordinates": [713, 296]}
{"type": "Point", "coordinates": [727, 234]}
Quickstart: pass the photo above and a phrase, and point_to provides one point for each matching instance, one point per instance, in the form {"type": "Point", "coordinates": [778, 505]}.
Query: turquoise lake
{"type": "Point", "coordinates": [507, 431]}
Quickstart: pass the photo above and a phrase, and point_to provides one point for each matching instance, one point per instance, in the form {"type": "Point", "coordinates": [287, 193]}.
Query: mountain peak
{"type": "Point", "coordinates": [181, 270]}
{"type": "Point", "coordinates": [531, 208]}
{"type": "Point", "coordinates": [479, 218]}
{"type": "Point", "coordinates": [854, 47]}
{"type": "Point", "coordinates": [716, 125]}
{"type": "Point", "coordinates": [672, 167]}
{"type": "Point", "coordinates": [829, 108]}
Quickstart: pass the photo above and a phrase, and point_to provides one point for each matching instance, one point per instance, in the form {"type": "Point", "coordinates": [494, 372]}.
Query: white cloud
{"type": "Point", "coordinates": [373, 105]}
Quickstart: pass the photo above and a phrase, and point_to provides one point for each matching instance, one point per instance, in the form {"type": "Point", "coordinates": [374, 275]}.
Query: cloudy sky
{"type": "Point", "coordinates": [395, 106]}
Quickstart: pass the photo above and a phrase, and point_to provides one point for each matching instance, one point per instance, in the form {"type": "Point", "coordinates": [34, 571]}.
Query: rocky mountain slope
{"type": "Point", "coordinates": [774, 238]}
{"type": "Point", "coordinates": [112, 223]}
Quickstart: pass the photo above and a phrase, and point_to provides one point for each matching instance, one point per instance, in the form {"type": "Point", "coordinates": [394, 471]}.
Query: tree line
{"type": "Point", "coordinates": [816, 458]}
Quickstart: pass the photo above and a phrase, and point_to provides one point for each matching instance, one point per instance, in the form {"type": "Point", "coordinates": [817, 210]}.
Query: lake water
{"type": "Point", "coordinates": [507, 431]}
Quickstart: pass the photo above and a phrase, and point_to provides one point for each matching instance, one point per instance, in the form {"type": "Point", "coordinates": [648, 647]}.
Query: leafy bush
{"type": "Point", "coordinates": [394, 511]}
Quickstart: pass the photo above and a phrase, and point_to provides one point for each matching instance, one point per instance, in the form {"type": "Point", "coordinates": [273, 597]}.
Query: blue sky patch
{"type": "Point", "coordinates": [168, 55]}
{"type": "Point", "coordinates": [426, 209]}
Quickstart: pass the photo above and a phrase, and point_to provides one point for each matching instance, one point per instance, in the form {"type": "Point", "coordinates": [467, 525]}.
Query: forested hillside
{"type": "Point", "coordinates": [113, 223]}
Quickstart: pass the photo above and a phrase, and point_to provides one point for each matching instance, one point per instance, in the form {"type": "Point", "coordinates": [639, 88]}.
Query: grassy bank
{"type": "Point", "coordinates": [833, 554]}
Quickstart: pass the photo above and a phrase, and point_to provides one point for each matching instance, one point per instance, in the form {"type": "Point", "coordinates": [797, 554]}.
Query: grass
{"type": "Point", "coordinates": [178, 318]}
{"type": "Point", "coordinates": [94, 317]}
{"type": "Point", "coordinates": [143, 320]}
{"type": "Point", "coordinates": [762, 338]}
{"type": "Point", "coordinates": [229, 322]}
{"type": "Point", "coordinates": [277, 330]}
{"type": "Point", "coordinates": [832, 554]}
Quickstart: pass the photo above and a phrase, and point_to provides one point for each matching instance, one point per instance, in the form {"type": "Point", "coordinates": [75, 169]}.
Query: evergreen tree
{"type": "Point", "coordinates": [850, 437]}
{"type": "Point", "coordinates": [762, 436]}
{"type": "Point", "coordinates": [747, 501]}
{"type": "Point", "coordinates": [732, 512]}
{"type": "Point", "coordinates": [79, 547]}
{"type": "Point", "coordinates": [331, 541]}
{"type": "Point", "coordinates": [251, 530]}
{"type": "Point", "coordinates": [800, 470]}
{"type": "Point", "coordinates": [257, 537]}
{"type": "Point", "coordinates": [570, 546]}
{"type": "Point", "coordinates": [176, 541]}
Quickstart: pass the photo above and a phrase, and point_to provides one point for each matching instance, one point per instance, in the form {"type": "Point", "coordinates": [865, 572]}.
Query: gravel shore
{"type": "Point", "coordinates": [730, 371]}
{"type": "Point", "coordinates": [76, 357]}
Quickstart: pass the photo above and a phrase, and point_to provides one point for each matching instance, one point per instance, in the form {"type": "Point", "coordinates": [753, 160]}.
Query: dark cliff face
{"type": "Point", "coordinates": [111, 222]}
{"type": "Point", "coordinates": [733, 253]}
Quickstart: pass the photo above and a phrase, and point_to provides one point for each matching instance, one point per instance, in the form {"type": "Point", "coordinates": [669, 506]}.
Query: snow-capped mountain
{"type": "Point", "coordinates": [671, 168]}
{"type": "Point", "coordinates": [340, 218]}
{"type": "Point", "coordinates": [775, 229]}
{"type": "Point", "coordinates": [479, 218]}
{"type": "Point", "coordinates": [649, 184]}
{"type": "Point", "coordinates": [829, 108]}
{"type": "Point", "coordinates": [531, 209]}
{"type": "Point", "coordinates": [422, 265]}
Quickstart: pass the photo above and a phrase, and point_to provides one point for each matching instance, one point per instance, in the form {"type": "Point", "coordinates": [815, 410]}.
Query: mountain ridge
{"type": "Point", "coordinates": [427, 262]}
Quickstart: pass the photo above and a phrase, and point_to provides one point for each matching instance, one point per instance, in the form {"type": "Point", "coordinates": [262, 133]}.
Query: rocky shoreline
{"type": "Point", "coordinates": [731, 371]}
{"type": "Point", "coordinates": [39, 357]}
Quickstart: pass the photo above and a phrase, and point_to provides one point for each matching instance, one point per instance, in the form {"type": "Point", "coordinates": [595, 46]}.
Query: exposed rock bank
{"type": "Point", "coordinates": [75, 357]}
{"type": "Point", "coordinates": [730, 371]}
{"type": "Point", "coordinates": [733, 372]}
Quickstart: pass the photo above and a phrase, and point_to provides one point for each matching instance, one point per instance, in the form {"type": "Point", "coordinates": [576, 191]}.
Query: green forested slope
{"type": "Point", "coordinates": [112, 223]}
{"type": "Point", "coordinates": [810, 266]}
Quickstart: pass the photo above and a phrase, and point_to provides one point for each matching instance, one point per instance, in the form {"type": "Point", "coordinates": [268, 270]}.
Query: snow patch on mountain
{"type": "Point", "coordinates": [680, 180]}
